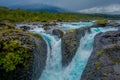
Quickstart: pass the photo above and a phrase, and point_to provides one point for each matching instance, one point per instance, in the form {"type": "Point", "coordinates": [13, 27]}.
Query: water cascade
{"type": "Point", "coordinates": [54, 69]}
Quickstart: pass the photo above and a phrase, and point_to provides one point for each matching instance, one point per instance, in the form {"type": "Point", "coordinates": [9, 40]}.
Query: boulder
{"type": "Point", "coordinates": [48, 25]}
{"type": "Point", "coordinates": [105, 59]}
{"type": "Point", "coordinates": [25, 28]}
{"type": "Point", "coordinates": [58, 33]}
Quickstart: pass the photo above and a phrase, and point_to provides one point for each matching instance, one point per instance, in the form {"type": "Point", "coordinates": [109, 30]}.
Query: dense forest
{"type": "Point", "coordinates": [27, 16]}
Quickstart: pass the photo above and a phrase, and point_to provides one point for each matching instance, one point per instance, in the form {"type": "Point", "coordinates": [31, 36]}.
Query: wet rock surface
{"type": "Point", "coordinates": [58, 33]}
{"type": "Point", "coordinates": [70, 43]}
{"type": "Point", "coordinates": [25, 28]}
{"type": "Point", "coordinates": [113, 23]}
{"type": "Point", "coordinates": [104, 62]}
{"type": "Point", "coordinates": [49, 25]}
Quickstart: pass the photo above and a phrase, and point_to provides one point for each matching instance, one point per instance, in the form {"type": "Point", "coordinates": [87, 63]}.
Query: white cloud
{"type": "Point", "coordinates": [103, 9]}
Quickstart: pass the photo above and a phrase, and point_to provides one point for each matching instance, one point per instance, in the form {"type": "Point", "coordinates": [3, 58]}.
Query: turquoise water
{"type": "Point", "coordinates": [54, 69]}
{"type": "Point", "coordinates": [74, 25]}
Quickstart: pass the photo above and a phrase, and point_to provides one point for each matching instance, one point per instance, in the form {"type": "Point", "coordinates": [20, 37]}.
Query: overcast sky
{"type": "Point", "coordinates": [74, 5]}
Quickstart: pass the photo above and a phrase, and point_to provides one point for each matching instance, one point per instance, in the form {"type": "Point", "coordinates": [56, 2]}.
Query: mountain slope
{"type": "Point", "coordinates": [38, 8]}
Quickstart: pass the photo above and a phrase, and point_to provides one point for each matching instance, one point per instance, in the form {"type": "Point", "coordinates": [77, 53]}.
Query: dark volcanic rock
{"type": "Point", "coordinates": [35, 64]}
{"type": "Point", "coordinates": [58, 32]}
{"type": "Point", "coordinates": [104, 62]}
{"type": "Point", "coordinates": [40, 56]}
{"type": "Point", "coordinates": [70, 43]}
{"type": "Point", "coordinates": [48, 25]}
{"type": "Point", "coordinates": [25, 28]}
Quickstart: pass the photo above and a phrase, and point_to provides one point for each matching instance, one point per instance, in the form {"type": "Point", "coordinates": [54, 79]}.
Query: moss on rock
{"type": "Point", "coordinates": [113, 53]}
{"type": "Point", "coordinates": [19, 53]}
{"type": "Point", "coordinates": [97, 65]}
{"type": "Point", "coordinates": [13, 53]}
{"type": "Point", "coordinates": [70, 44]}
{"type": "Point", "coordinates": [58, 32]}
{"type": "Point", "coordinates": [101, 23]}
{"type": "Point", "coordinates": [100, 53]}
{"type": "Point", "coordinates": [105, 58]}
{"type": "Point", "coordinates": [36, 35]}
{"type": "Point", "coordinates": [6, 25]}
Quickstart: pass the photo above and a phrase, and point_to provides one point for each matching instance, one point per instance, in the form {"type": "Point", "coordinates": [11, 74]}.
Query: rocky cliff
{"type": "Point", "coordinates": [104, 62]}
{"type": "Point", "coordinates": [70, 43]}
{"type": "Point", "coordinates": [22, 54]}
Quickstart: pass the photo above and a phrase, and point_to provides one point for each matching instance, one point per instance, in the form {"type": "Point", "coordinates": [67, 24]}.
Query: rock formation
{"type": "Point", "coordinates": [104, 62]}
{"type": "Point", "coordinates": [27, 50]}
{"type": "Point", "coordinates": [70, 43]}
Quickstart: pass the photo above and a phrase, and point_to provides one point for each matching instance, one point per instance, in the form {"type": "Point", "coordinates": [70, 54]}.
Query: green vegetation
{"type": "Point", "coordinates": [26, 16]}
{"type": "Point", "coordinates": [97, 65]}
{"type": "Point", "coordinates": [72, 31]}
{"type": "Point", "coordinates": [113, 53]}
{"type": "Point", "coordinates": [105, 74]}
{"type": "Point", "coordinates": [35, 35]}
{"type": "Point", "coordinates": [99, 53]}
{"type": "Point", "coordinates": [12, 53]}
{"type": "Point", "coordinates": [6, 25]}
{"type": "Point", "coordinates": [102, 22]}
{"type": "Point", "coordinates": [60, 31]}
{"type": "Point", "coordinates": [15, 51]}
{"type": "Point", "coordinates": [9, 31]}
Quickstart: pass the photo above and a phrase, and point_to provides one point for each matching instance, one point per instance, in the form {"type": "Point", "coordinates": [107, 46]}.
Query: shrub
{"type": "Point", "coordinates": [97, 65]}
{"type": "Point", "coordinates": [102, 22]}
{"type": "Point", "coordinates": [105, 74]}
{"type": "Point", "coordinates": [99, 53]}
{"type": "Point", "coordinates": [13, 53]}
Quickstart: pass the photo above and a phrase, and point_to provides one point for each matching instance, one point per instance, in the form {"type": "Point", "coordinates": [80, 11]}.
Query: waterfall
{"type": "Point", "coordinates": [76, 67]}
{"type": "Point", "coordinates": [54, 70]}
{"type": "Point", "coordinates": [74, 70]}
{"type": "Point", "coordinates": [53, 63]}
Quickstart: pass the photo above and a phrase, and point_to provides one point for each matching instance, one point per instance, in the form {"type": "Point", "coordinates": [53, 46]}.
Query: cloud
{"type": "Point", "coordinates": [103, 9]}
{"type": "Point", "coordinates": [72, 5]}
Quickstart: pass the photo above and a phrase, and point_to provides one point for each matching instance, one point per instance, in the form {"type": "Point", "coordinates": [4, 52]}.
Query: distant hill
{"type": "Point", "coordinates": [38, 8]}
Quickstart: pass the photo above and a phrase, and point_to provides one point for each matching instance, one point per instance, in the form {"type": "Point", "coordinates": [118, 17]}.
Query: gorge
{"type": "Point", "coordinates": [68, 55]}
